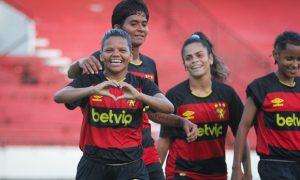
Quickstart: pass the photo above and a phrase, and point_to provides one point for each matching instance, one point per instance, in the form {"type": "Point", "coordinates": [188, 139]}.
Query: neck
{"type": "Point", "coordinates": [201, 86]}
{"type": "Point", "coordinates": [115, 76]}
{"type": "Point", "coordinates": [285, 80]}
{"type": "Point", "coordinates": [136, 57]}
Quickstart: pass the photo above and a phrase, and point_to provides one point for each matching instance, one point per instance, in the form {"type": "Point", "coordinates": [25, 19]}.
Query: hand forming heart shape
{"type": "Point", "coordinates": [129, 91]}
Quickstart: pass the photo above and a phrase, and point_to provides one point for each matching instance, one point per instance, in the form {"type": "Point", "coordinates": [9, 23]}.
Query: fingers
{"type": "Point", "coordinates": [90, 65]}
{"type": "Point", "coordinates": [192, 132]}
{"type": "Point", "coordinates": [95, 63]}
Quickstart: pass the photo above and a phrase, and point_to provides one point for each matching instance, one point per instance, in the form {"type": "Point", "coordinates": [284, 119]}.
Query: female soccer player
{"type": "Point", "coordinates": [112, 104]}
{"type": "Point", "coordinates": [207, 102]}
{"type": "Point", "coordinates": [273, 107]}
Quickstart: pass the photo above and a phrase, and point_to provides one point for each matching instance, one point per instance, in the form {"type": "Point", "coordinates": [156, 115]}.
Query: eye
{"type": "Point", "coordinates": [133, 23]}
{"type": "Point", "coordinates": [199, 55]}
{"type": "Point", "coordinates": [123, 50]}
{"type": "Point", "coordinates": [289, 58]}
{"type": "Point", "coordinates": [107, 50]}
{"type": "Point", "coordinates": [188, 58]}
{"type": "Point", "coordinates": [145, 24]}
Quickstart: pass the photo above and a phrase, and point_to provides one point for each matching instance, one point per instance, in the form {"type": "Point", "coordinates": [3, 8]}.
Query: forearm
{"type": "Point", "coordinates": [240, 145]}
{"type": "Point", "coordinates": [74, 70]}
{"type": "Point", "coordinates": [166, 119]}
{"type": "Point", "coordinates": [158, 102]}
{"type": "Point", "coordinates": [246, 160]}
{"type": "Point", "coordinates": [70, 94]}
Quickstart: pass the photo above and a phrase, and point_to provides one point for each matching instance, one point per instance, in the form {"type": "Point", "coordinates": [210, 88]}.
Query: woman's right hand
{"type": "Point", "coordinates": [90, 65]}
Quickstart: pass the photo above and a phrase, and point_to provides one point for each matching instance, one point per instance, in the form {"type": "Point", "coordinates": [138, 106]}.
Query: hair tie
{"type": "Point", "coordinates": [196, 36]}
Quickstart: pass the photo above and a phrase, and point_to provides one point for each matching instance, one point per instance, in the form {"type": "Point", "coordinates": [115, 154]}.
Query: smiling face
{"type": "Point", "coordinates": [137, 27]}
{"type": "Point", "coordinates": [196, 60]}
{"type": "Point", "coordinates": [288, 61]}
{"type": "Point", "coordinates": [116, 55]}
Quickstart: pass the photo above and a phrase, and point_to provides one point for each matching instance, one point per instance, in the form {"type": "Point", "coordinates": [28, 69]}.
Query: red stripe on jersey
{"type": "Point", "coordinates": [120, 138]}
{"type": "Point", "coordinates": [150, 155]}
{"type": "Point", "coordinates": [200, 150]}
{"type": "Point", "coordinates": [285, 139]}
{"type": "Point", "coordinates": [146, 123]}
{"type": "Point", "coordinates": [262, 145]}
{"type": "Point", "coordinates": [170, 164]}
{"type": "Point", "coordinates": [204, 112]}
{"type": "Point", "coordinates": [148, 76]}
{"type": "Point", "coordinates": [281, 101]}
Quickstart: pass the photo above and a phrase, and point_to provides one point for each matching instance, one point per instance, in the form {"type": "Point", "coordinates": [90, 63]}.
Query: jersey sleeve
{"type": "Point", "coordinates": [236, 108]}
{"type": "Point", "coordinates": [255, 91]}
{"type": "Point", "coordinates": [96, 54]}
{"type": "Point", "coordinates": [149, 87]}
{"type": "Point", "coordinates": [80, 82]}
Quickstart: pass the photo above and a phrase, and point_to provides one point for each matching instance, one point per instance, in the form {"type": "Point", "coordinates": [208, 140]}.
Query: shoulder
{"type": "Point", "coordinates": [180, 88]}
{"type": "Point", "coordinates": [147, 59]}
{"type": "Point", "coordinates": [219, 86]}
{"type": "Point", "coordinates": [264, 81]}
{"type": "Point", "coordinates": [138, 80]}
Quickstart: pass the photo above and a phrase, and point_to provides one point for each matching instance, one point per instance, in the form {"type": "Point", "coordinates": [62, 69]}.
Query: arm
{"type": "Point", "coordinates": [240, 142]}
{"type": "Point", "coordinates": [162, 148]}
{"type": "Point", "coordinates": [246, 161]}
{"type": "Point", "coordinates": [190, 128]}
{"type": "Point", "coordinates": [70, 94]}
{"type": "Point", "coordinates": [158, 102]}
{"type": "Point", "coordinates": [86, 65]}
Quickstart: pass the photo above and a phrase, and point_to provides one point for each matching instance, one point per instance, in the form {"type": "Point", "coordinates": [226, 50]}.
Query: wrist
{"type": "Point", "coordinates": [139, 97]}
{"type": "Point", "coordinates": [236, 167]}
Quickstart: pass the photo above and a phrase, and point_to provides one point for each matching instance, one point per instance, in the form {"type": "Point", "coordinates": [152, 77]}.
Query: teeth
{"type": "Point", "coordinates": [116, 61]}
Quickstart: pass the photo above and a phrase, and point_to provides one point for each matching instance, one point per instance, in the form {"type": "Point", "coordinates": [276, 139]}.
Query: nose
{"type": "Point", "coordinates": [296, 64]}
{"type": "Point", "coordinates": [115, 53]}
{"type": "Point", "coordinates": [141, 27]}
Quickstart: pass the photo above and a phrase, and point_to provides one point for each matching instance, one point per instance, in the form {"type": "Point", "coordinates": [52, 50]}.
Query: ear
{"type": "Point", "coordinates": [101, 58]}
{"type": "Point", "coordinates": [275, 55]}
{"type": "Point", "coordinates": [117, 26]}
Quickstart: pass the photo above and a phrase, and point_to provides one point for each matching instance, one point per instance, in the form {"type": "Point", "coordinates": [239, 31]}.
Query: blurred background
{"type": "Point", "coordinates": [39, 39]}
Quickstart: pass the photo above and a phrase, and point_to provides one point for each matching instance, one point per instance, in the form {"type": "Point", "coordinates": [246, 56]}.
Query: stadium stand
{"type": "Point", "coordinates": [28, 114]}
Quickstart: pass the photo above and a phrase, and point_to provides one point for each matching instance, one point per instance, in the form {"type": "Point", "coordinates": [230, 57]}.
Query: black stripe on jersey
{"type": "Point", "coordinates": [211, 166]}
{"type": "Point", "coordinates": [285, 154]}
{"type": "Point", "coordinates": [147, 139]}
{"type": "Point", "coordinates": [208, 131]}
{"type": "Point", "coordinates": [113, 155]}
{"type": "Point", "coordinates": [282, 120]}
{"type": "Point", "coordinates": [115, 118]}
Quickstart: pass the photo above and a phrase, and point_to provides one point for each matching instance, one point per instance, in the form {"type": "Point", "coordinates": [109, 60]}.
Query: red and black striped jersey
{"type": "Point", "coordinates": [277, 121]}
{"type": "Point", "coordinates": [112, 130]}
{"type": "Point", "coordinates": [146, 69]}
{"type": "Point", "coordinates": [204, 157]}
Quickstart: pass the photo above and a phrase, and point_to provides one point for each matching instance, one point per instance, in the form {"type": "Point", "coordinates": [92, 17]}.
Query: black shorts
{"type": "Point", "coordinates": [278, 170]}
{"type": "Point", "coordinates": [155, 171]}
{"type": "Point", "coordinates": [92, 170]}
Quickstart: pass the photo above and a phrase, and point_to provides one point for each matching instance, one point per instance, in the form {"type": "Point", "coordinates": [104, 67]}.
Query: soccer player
{"type": "Point", "coordinates": [212, 105]}
{"type": "Point", "coordinates": [132, 16]}
{"type": "Point", "coordinates": [112, 104]}
{"type": "Point", "coordinates": [273, 107]}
